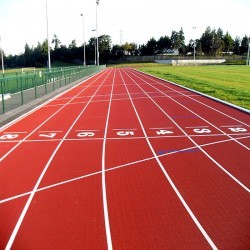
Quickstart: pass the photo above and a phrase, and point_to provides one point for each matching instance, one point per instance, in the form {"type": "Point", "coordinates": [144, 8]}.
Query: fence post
{"type": "Point", "coordinates": [35, 86]}
{"type": "Point", "coordinates": [21, 90]}
{"type": "Point", "coordinates": [2, 96]}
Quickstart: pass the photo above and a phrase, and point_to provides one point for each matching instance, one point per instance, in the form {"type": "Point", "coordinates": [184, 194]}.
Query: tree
{"type": "Point", "coordinates": [56, 41]}
{"type": "Point", "coordinates": [212, 41]}
{"type": "Point", "coordinates": [73, 44]}
{"type": "Point", "coordinates": [28, 56]}
{"type": "Point", "coordinates": [217, 41]}
{"type": "Point", "coordinates": [228, 43]}
{"type": "Point", "coordinates": [236, 46]}
{"type": "Point", "coordinates": [163, 44]}
{"type": "Point", "coordinates": [178, 40]}
{"type": "Point", "coordinates": [244, 45]}
{"type": "Point", "coordinates": [151, 47]}
{"type": "Point", "coordinates": [104, 47]}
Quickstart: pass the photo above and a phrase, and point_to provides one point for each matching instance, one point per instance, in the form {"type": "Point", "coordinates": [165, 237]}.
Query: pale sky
{"type": "Point", "coordinates": [24, 21]}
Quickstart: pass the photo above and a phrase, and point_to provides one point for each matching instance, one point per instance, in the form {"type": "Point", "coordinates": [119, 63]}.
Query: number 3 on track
{"type": "Point", "coordinates": [238, 130]}
{"type": "Point", "coordinates": [202, 131]}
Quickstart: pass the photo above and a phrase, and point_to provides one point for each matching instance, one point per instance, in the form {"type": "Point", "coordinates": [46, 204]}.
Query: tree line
{"type": "Point", "coordinates": [211, 43]}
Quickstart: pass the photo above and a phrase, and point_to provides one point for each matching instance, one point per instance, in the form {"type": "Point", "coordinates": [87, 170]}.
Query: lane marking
{"type": "Point", "coordinates": [211, 158]}
{"type": "Point", "coordinates": [113, 168]}
{"type": "Point", "coordinates": [87, 130]}
{"type": "Point", "coordinates": [161, 128]}
{"type": "Point", "coordinates": [198, 127]}
{"type": "Point", "coordinates": [124, 129]}
{"type": "Point", "coordinates": [14, 132]}
{"type": "Point", "coordinates": [32, 132]}
{"type": "Point", "coordinates": [204, 233]}
{"type": "Point", "coordinates": [52, 131]}
{"type": "Point", "coordinates": [190, 91]}
{"type": "Point", "coordinates": [104, 191]}
{"type": "Point", "coordinates": [228, 126]}
{"type": "Point", "coordinates": [32, 194]}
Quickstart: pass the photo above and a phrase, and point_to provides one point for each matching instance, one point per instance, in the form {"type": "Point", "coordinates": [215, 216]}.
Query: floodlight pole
{"type": "Point", "coordinates": [248, 51]}
{"type": "Point", "coordinates": [194, 45]}
{"type": "Point", "coordinates": [47, 21]}
{"type": "Point", "coordinates": [2, 55]}
{"type": "Point", "coordinates": [84, 54]}
{"type": "Point", "coordinates": [97, 42]}
{"type": "Point", "coordinates": [95, 47]}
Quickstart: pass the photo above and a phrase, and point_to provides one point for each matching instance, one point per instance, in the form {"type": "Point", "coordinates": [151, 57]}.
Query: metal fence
{"type": "Point", "coordinates": [20, 89]}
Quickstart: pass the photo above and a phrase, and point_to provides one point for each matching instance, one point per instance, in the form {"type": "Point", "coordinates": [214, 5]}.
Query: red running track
{"type": "Point", "coordinates": [126, 161]}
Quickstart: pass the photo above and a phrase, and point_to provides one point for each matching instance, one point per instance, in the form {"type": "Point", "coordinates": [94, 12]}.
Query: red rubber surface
{"type": "Point", "coordinates": [126, 161]}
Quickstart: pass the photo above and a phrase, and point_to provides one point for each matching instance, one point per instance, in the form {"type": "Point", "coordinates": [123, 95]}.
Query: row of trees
{"type": "Point", "coordinates": [212, 43]}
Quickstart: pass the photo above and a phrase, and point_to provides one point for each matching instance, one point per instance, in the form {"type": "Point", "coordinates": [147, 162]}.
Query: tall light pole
{"type": "Point", "coordinates": [47, 21]}
{"type": "Point", "coordinates": [248, 51]}
{"type": "Point", "coordinates": [84, 54]}
{"type": "Point", "coordinates": [2, 55]}
{"type": "Point", "coordinates": [194, 45]}
{"type": "Point", "coordinates": [97, 42]}
{"type": "Point", "coordinates": [95, 47]}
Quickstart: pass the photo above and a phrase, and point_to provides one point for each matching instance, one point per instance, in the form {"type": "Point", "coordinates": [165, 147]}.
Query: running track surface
{"type": "Point", "coordinates": [126, 161]}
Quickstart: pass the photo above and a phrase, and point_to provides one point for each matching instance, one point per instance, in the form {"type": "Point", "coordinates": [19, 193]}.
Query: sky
{"type": "Point", "coordinates": [24, 21]}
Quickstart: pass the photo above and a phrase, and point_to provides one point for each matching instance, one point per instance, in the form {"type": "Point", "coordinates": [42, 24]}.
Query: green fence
{"type": "Point", "coordinates": [20, 89]}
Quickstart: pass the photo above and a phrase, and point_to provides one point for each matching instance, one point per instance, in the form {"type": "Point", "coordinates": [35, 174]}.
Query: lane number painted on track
{"type": "Point", "coordinates": [238, 130]}
{"type": "Point", "coordinates": [125, 133]}
{"type": "Point", "coordinates": [86, 134]}
{"type": "Point", "coordinates": [49, 135]}
{"type": "Point", "coordinates": [202, 130]}
{"type": "Point", "coordinates": [9, 136]}
{"type": "Point", "coordinates": [163, 132]}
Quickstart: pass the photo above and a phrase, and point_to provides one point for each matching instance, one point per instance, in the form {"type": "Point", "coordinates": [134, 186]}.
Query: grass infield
{"type": "Point", "coordinates": [228, 83]}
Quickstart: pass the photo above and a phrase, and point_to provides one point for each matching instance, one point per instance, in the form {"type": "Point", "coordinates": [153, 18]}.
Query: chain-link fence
{"type": "Point", "coordinates": [20, 89]}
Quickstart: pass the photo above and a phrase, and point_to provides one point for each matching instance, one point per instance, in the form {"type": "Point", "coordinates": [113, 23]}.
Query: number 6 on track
{"type": "Point", "coordinates": [86, 134]}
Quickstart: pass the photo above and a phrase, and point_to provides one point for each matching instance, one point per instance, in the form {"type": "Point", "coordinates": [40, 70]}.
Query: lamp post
{"type": "Point", "coordinates": [97, 42]}
{"type": "Point", "coordinates": [47, 21]}
{"type": "Point", "coordinates": [84, 54]}
{"type": "Point", "coordinates": [95, 47]}
{"type": "Point", "coordinates": [248, 51]}
{"type": "Point", "coordinates": [2, 55]}
{"type": "Point", "coordinates": [194, 45]}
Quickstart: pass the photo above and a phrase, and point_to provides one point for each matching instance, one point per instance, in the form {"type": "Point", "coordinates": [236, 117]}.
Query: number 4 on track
{"type": "Point", "coordinates": [164, 132]}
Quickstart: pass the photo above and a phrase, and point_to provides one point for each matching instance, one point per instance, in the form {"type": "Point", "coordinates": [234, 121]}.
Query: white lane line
{"type": "Point", "coordinates": [87, 130]}
{"type": "Point", "coordinates": [198, 127]}
{"type": "Point", "coordinates": [104, 191]}
{"type": "Point", "coordinates": [27, 205]}
{"type": "Point", "coordinates": [10, 132]}
{"type": "Point", "coordinates": [52, 131]}
{"type": "Point", "coordinates": [232, 126]}
{"type": "Point", "coordinates": [32, 132]}
{"type": "Point", "coordinates": [127, 129]}
{"type": "Point", "coordinates": [204, 233]}
{"type": "Point", "coordinates": [192, 91]}
{"type": "Point", "coordinates": [216, 127]}
{"type": "Point", "coordinates": [114, 168]}
{"type": "Point", "coordinates": [211, 158]}
{"type": "Point", "coordinates": [161, 128]}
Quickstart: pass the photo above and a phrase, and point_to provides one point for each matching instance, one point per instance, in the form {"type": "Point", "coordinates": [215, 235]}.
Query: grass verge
{"type": "Point", "coordinates": [226, 82]}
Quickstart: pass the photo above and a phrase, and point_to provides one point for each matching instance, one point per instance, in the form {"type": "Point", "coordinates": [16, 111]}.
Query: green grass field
{"type": "Point", "coordinates": [228, 83]}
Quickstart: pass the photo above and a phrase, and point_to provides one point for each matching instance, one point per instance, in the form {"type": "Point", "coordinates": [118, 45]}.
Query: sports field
{"type": "Point", "coordinates": [228, 83]}
{"type": "Point", "coordinates": [126, 161]}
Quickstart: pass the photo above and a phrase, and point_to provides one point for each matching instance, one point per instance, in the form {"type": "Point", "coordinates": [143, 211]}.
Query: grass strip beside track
{"type": "Point", "coordinates": [228, 83]}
